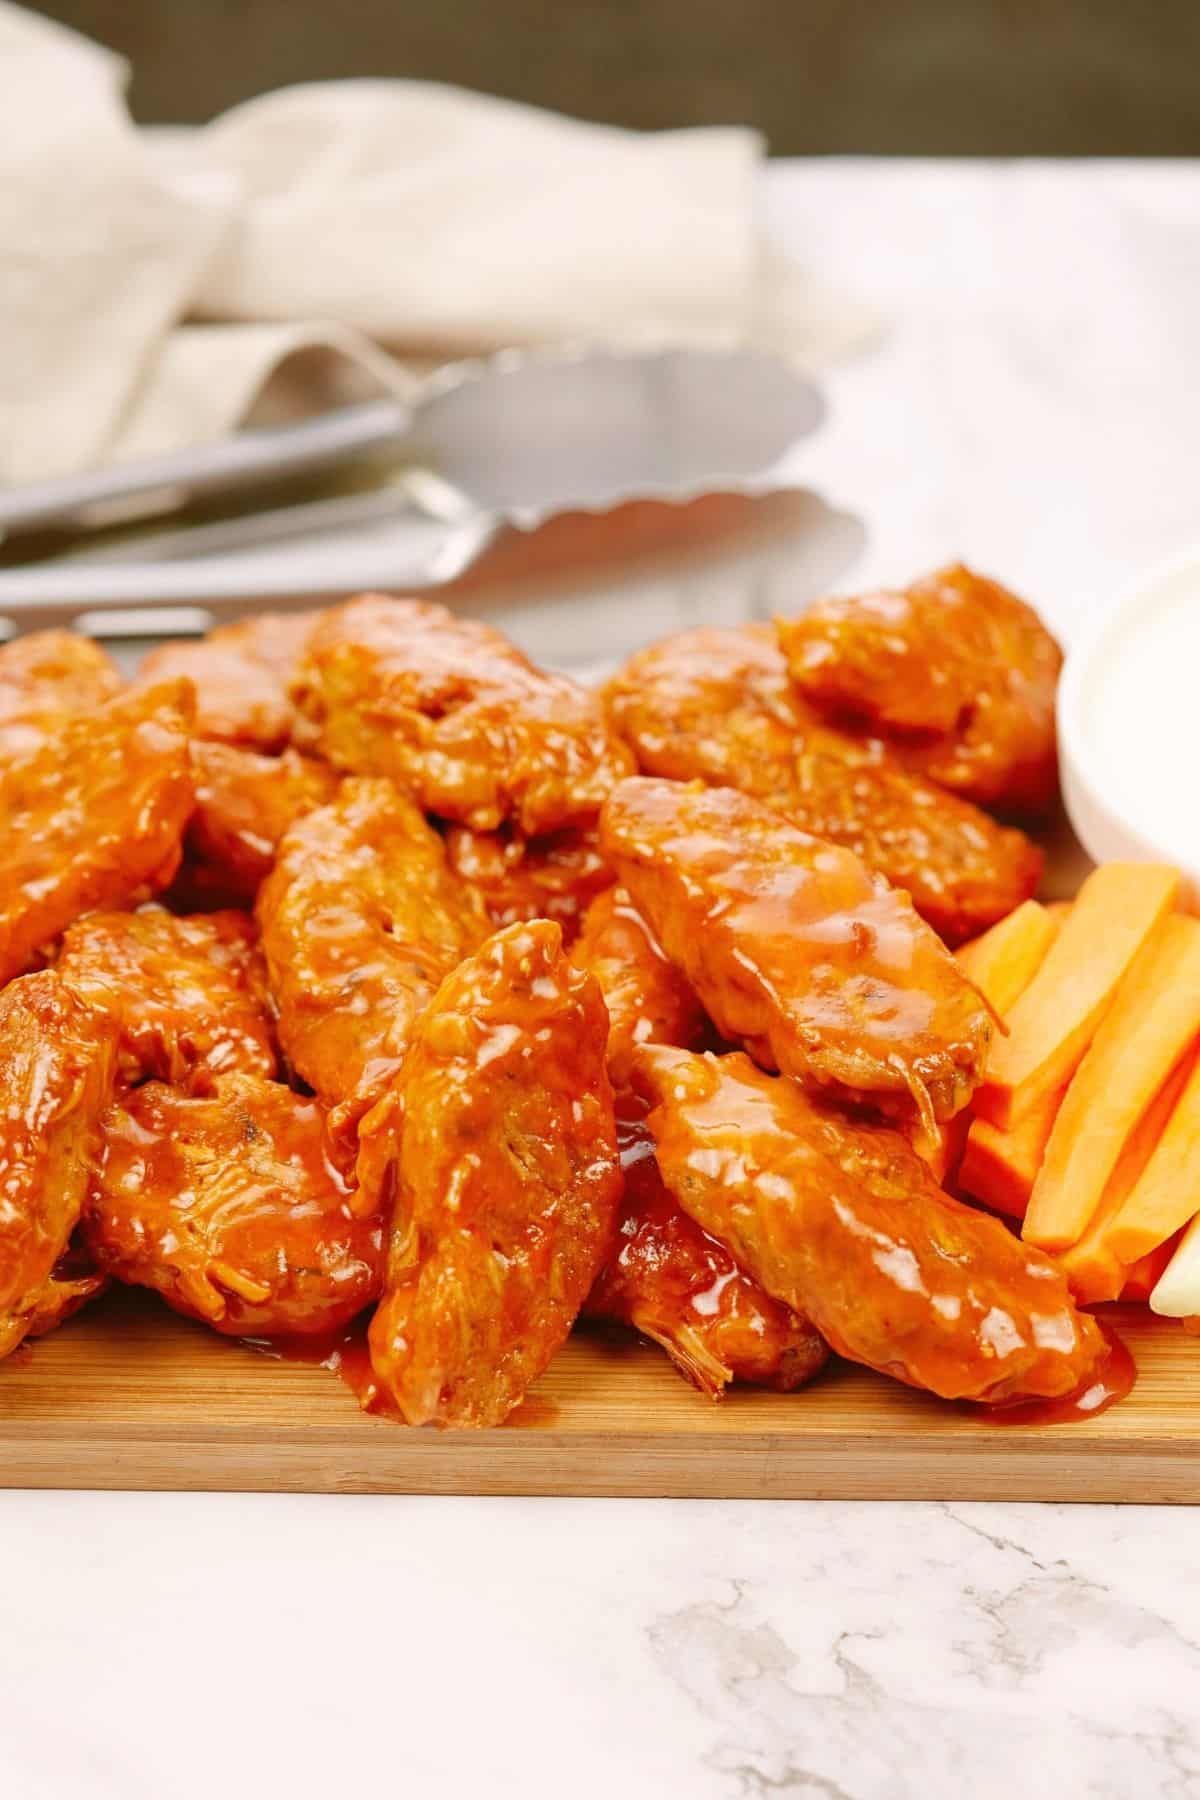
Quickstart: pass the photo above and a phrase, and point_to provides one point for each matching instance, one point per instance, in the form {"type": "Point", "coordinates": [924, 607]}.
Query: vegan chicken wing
{"type": "Point", "coordinates": [796, 949]}
{"type": "Point", "coordinates": [957, 670]}
{"type": "Point", "coordinates": [46, 678]}
{"type": "Point", "coordinates": [241, 674]}
{"type": "Point", "coordinates": [72, 1284]}
{"type": "Point", "coordinates": [244, 805]}
{"type": "Point", "coordinates": [648, 1000]}
{"type": "Point", "coordinates": [496, 1152]}
{"type": "Point", "coordinates": [671, 1281]}
{"type": "Point", "coordinates": [360, 919]}
{"type": "Point", "coordinates": [551, 877]}
{"type": "Point", "coordinates": [453, 712]}
{"type": "Point", "coordinates": [94, 818]}
{"type": "Point", "coordinates": [717, 706]}
{"type": "Point", "coordinates": [186, 994]}
{"type": "Point", "coordinates": [229, 1206]}
{"type": "Point", "coordinates": [666, 1277]}
{"type": "Point", "coordinates": [56, 1073]}
{"type": "Point", "coordinates": [843, 1222]}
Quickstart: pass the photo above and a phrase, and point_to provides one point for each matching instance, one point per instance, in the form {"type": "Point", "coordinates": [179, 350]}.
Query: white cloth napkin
{"type": "Point", "coordinates": [158, 287]}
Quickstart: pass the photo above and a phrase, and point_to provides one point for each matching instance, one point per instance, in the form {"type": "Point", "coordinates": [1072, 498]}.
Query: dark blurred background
{"type": "Point", "coordinates": [967, 77]}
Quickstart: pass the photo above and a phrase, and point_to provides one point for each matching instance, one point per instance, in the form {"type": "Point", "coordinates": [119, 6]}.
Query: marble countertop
{"type": "Point", "coordinates": [1032, 406]}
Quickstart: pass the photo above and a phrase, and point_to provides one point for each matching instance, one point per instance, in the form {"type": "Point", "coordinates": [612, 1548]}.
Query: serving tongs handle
{"type": "Point", "coordinates": [166, 482]}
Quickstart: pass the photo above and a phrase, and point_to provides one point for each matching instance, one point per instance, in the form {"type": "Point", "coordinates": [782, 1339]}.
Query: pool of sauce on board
{"type": "Point", "coordinates": [1110, 1382]}
{"type": "Point", "coordinates": [346, 1354]}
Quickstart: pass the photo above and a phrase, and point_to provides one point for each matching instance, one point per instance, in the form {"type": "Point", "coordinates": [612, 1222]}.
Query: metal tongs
{"type": "Point", "coordinates": [505, 442]}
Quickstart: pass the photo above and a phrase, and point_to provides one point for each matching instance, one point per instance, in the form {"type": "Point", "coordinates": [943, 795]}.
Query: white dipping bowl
{"type": "Point", "coordinates": [1129, 725]}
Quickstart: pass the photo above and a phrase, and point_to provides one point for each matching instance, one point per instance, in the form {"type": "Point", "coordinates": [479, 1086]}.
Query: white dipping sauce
{"type": "Point", "coordinates": [1138, 715]}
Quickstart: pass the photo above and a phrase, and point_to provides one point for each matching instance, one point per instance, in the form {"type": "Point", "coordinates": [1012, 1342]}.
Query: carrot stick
{"type": "Point", "coordinates": [1003, 962]}
{"type": "Point", "coordinates": [1150, 1024]}
{"type": "Point", "coordinates": [1055, 1019]}
{"type": "Point", "coordinates": [1090, 1266]}
{"type": "Point", "coordinates": [1143, 1276]}
{"type": "Point", "coordinates": [1168, 1193]}
{"type": "Point", "coordinates": [1000, 1167]}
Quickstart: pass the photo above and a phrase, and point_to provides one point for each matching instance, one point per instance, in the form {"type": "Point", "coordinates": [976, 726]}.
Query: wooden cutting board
{"type": "Point", "coordinates": [129, 1396]}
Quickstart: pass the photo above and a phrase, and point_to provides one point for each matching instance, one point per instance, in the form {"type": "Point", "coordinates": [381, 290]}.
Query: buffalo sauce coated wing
{"type": "Point", "coordinates": [496, 1153]}
{"type": "Point", "coordinates": [186, 994]}
{"type": "Point", "coordinates": [844, 1222]}
{"type": "Point", "coordinates": [360, 919]}
{"type": "Point", "coordinates": [957, 670]}
{"type": "Point", "coordinates": [46, 678]}
{"type": "Point", "coordinates": [666, 1277]}
{"type": "Point", "coordinates": [648, 1000]}
{"type": "Point", "coordinates": [453, 712]}
{"type": "Point", "coordinates": [94, 818]}
{"type": "Point", "coordinates": [670, 1280]}
{"type": "Point", "coordinates": [244, 804]}
{"type": "Point", "coordinates": [551, 877]}
{"type": "Point", "coordinates": [228, 1205]}
{"type": "Point", "coordinates": [73, 1283]}
{"type": "Point", "coordinates": [241, 674]}
{"type": "Point", "coordinates": [56, 1073]}
{"type": "Point", "coordinates": [796, 949]}
{"type": "Point", "coordinates": [717, 706]}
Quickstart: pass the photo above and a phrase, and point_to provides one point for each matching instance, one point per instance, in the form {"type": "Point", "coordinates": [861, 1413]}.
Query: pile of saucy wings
{"type": "Point", "coordinates": [356, 969]}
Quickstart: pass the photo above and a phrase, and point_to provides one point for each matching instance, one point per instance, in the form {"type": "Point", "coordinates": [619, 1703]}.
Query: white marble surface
{"type": "Point", "coordinates": [195, 1646]}
{"type": "Point", "coordinates": [1034, 407]}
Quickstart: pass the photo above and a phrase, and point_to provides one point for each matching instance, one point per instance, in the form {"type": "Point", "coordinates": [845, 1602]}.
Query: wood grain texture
{"type": "Point", "coordinates": [128, 1396]}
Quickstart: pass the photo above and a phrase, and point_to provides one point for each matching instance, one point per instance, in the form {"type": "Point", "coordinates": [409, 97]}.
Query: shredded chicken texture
{"type": "Point", "coordinates": [717, 706]}
{"type": "Point", "coordinates": [673, 1282]}
{"type": "Point", "coordinates": [46, 678]}
{"type": "Point", "coordinates": [517, 877]}
{"type": "Point", "coordinates": [798, 951]}
{"type": "Point", "coordinates": [245, 804]}
{"type": "Point", "coordinates": [456, 715]}
{"type": "Point", "coordinates": [93, 818]}
{"type": "Point", "coordinates": [240, 673]}
{"type": "Point", "coordinates": [842, 1221]}
{"type": "Point", "coordinates": [495, 1152]}
{"type": "Point", "coordinates": [57, 1065]}
{"type": "Point", "coordinates": [361, 918]}
{"type": "Point", "coordinates": [187, 995]}
{"type": "Point", "coordinates": [649, 1001]}
{"type": "Point", "coordinates": [954, 670]}
{"type": "Point", "coordinates": [228, 1204]}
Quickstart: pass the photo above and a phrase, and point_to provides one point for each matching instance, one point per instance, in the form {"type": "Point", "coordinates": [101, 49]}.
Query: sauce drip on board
{"type": "Point", "coordinates": [347, 1355]}
{"type": "Point", "coordinates": [1110, 1381]}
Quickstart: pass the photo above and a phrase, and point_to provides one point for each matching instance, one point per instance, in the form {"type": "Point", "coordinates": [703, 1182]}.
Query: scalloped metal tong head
{"type": "Point", "coordinates": [510, 440]}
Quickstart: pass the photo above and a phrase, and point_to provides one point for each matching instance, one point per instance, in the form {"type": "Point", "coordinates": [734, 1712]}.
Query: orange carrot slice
{"type": "Point", "coordinates": [1055, 1019]}
{"type": "Point", "coordinates": [1090, 1265]}
{"type": "Point", "coordinates": [1000, 1167]}
{"type": "Point", "coordinates": [1150, 1024]}
{"type": "Point", "coordinates": [1143, 1276]}
{"type": "Point", "coordinates": [1168, 1194]}
{"type": "Point", "coordinates": [1003, 962]}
